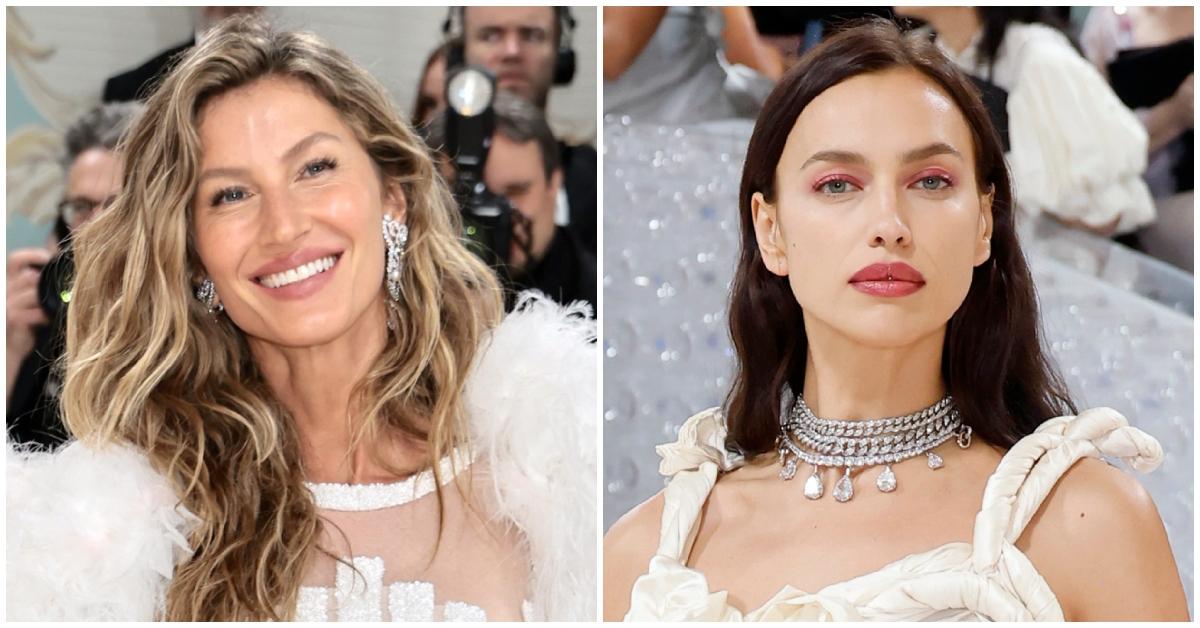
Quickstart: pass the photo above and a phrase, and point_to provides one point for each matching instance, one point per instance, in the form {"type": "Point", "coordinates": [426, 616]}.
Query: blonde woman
{"type": "Point", "coordinates": [290, 389]}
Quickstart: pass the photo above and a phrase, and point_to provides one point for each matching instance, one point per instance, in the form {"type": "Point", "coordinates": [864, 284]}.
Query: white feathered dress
{"type": "Point", "coordinates": [96, 534]}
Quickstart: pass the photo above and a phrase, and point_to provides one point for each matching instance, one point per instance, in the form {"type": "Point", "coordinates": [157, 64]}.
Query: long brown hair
{"type": "Point", "coordinates": [992, 361]}
{"type": "Point", "coordinates": [147, 365]}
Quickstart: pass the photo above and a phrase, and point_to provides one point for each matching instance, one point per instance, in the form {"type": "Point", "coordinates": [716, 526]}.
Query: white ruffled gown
{"type": "Point", "coordinates": [987, 579]}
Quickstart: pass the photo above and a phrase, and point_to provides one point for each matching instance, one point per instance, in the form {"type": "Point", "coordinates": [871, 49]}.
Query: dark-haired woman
{"type": "Point", "coordinates": [916, 470]}
{"type": "Point", "coordinates": [1076, 151]}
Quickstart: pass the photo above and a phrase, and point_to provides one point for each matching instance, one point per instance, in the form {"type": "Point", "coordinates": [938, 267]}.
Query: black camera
{"type": "Point", "coordinates": [54, 285]}
{"type": "Point", "coordinates": [491, 226]}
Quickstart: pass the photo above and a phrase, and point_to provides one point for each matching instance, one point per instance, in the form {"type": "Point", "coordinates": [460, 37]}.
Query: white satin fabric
{"type": "Point", "coordinates": [988, 579]}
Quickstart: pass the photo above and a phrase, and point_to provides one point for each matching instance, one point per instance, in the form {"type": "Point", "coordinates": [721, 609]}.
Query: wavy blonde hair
{"type": "Point", "coordinates": [147, 365]}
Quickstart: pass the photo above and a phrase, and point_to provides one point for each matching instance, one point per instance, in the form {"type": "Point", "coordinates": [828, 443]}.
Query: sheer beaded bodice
{"type": "Point", "coordinates": [394, 564]}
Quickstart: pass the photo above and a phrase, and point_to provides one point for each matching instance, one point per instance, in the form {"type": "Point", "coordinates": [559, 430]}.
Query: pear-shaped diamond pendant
{"type": "Point", "coordinates": [844, 489]}
{"type": "Point", "coordinates": [886, 481]}
{"type": "Point", "coordinates": [789, 470]}
{"type": "Point", "coordinates": [813, 488]}
{"type": "Point", "coordinates": [934, 461]}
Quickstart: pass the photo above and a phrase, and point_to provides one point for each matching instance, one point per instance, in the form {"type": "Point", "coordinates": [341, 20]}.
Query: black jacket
{"type": "Point", "coordinates": [138, 83]}
{"type": "Point", "coordinates": [579, 180]}
{"type": "Point", "coordinates": [33, 409]}
{"type": "Point", "coordinates": [566, 273]}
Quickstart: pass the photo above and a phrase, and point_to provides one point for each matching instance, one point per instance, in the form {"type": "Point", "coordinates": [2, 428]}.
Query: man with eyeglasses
{"type": "Point", "coordinates": [93, 178]}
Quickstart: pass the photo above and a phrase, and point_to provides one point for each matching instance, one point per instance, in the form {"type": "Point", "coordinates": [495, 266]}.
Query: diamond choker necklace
{"type": "Point", "coordinates": [857, 444]}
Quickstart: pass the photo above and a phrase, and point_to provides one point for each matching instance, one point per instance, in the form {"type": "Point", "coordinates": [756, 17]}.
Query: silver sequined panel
{"type": "Point", "coordinates": [1118, 323]}
{"type": "Point", "coordinates": [411, 601]}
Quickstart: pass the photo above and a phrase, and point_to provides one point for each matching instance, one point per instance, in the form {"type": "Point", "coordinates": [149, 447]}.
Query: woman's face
{"type": "Point", "coordinates": [878, 221]}
{"type": "Point", "coordinates": [287, 214]}
{"type": "Point", "coordinates": [433, 89]}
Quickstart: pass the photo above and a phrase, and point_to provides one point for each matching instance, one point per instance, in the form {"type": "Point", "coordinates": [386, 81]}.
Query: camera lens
{"type": "Point", "coordinates": [54, 286]}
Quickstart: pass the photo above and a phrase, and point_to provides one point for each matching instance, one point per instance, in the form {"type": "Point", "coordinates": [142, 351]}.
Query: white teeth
{"type": "Point", "coordinates": [299, 273]}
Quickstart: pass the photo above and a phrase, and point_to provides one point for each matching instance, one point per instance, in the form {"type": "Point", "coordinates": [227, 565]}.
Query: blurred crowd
{"type": "Point", "coordinates": [544, 237]}
{"type": "Point", "coordinates": [1094, 104]}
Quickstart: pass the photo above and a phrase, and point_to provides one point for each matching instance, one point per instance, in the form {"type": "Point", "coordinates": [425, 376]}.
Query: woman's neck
{"type": "Point", "coordinates": [315, 384]}
{"type": "Point", "coordinates": [955, 27]}
{"type": "Point", "coordinates": [845, 379]}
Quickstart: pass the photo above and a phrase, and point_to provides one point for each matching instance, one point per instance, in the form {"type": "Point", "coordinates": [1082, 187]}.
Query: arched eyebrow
{"type": "Point", "coordinates": [857, 159]}
{"type": "Point", "coordinates": [934, 149]}
{"type": "Point", "coordinates": [288, 155]}
{"type": "Point", "coordinates": [304, 144]}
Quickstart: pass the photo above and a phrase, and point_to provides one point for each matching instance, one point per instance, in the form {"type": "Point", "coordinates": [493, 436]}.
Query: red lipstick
{"type": "Point", "coordinates": [896, 279]}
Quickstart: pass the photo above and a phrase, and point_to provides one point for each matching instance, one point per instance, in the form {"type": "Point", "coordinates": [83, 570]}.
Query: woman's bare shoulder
{"type": "Point", "coordinates": [628, 547]}
{"type": "Point", "coordinates": [1098, 531]}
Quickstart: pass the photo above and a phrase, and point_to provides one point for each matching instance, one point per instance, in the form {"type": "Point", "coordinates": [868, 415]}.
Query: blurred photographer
{"type": "Point", "coordinates": [528, 50]}
{"type": "Point", "coordinates": [431, 90]}
{"type": "Point", "coordinates": [93, 179]}
{"type": "Point", "coordinates": [523, 166]}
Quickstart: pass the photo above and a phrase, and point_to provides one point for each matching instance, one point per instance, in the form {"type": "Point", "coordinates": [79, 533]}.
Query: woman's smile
{"type": "Point", "coordinates": [298, 275]}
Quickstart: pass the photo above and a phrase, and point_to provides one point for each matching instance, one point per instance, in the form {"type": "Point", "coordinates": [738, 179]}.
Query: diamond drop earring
{"type": "Point", "coordinates": [395, 236]}
{"type": "Point", "coordinates": [207, 294]}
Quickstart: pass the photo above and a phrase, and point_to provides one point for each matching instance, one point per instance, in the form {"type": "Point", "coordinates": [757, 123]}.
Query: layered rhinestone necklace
{"type": "Point", "coordinates": [860, 444]}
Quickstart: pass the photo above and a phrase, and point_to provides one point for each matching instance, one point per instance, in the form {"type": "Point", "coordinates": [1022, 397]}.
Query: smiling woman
{"type": "Point", "coordinates": [287, 214]}
{"type": "Point", "coordinates": [880, 281]}
{"type": "Point", "coordinates": [292, 393]}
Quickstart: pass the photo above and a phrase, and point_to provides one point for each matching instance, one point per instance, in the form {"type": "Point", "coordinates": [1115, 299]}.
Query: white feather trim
{"type": "Point", "coordinates": [93, 534]}
{"type": "Point", "coordinates": [532, 398]}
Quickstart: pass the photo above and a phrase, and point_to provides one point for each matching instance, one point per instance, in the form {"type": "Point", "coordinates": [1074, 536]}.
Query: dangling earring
{"type": "Point", "coordinates": [395, 236]}
{"type": "Point", "coordinates": [207, 294]}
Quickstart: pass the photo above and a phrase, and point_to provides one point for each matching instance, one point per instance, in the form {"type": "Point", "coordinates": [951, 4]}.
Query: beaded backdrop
{"type": "Point", "coordinates": [1118, 323]}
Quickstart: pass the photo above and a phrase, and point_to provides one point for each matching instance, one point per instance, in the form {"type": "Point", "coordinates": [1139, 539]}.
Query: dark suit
{"type": "Point", "coordinates": [138, 83]}
{"type": "Point", "coordinates": [33, 408]}
{"type": "Point", "coordinates": [579, 181]}
{"type": "Point", "coordinates": [566, 273]}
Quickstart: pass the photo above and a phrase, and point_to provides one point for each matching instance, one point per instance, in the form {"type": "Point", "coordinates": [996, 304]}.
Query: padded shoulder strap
{"type": "Point", "coordinates": [1028, 472]}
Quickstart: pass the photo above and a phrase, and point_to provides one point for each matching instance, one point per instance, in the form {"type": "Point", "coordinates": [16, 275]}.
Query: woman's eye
{"type": "Point", "coordinates": [835, 186]}
{"type": "Point", "coordinates": [317, 167]}
{"type": "Point", "coordinates": [228, 195]}
{"type": "Point", "coordinates": [933, 184]}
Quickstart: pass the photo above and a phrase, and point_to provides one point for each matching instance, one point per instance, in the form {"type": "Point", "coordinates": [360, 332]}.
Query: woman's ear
{"type": "Point", "coordinates": [983, 240]}
{"type": "Point", "coordinates": [766, 231]}
{"type": "Point", "coordinates": [394, 201]}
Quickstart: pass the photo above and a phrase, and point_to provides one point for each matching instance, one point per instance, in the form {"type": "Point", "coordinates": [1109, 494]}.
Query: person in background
{"type": "Point", "coordinates": [662, 64]}
{"type": "Point", "coordinates": [522, 47]}
{"type": "Point", "coordinates": [93, 179]}
{"type": "Point", "coordinates": [431, 91]}
{"type": "Point", "coordinates": [1108, 37]}
{"type": "Point", "coordinates": [135, 84]}
{"type": "Point", "coordinates": [523, 166]}
{"type": "Point", "coordinates": [795, 29]}
{"type": "Point", "coordinates": [1147, 54]}
{"type": "Point", "coordinates": [1076, 151]}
